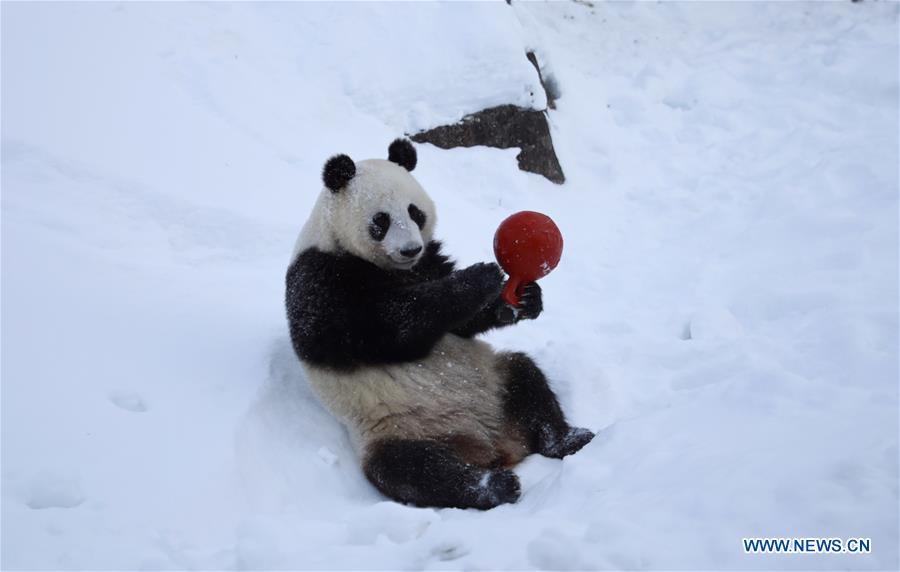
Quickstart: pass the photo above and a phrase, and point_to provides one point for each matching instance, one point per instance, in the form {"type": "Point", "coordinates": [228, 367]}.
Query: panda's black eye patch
{"type": "Point", "coordinates": [417, 215]}
{"type": "Point", "coordinates": [379, 226]}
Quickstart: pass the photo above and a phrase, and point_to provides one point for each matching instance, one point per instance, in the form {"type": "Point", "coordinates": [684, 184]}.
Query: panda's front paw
{"type": "Point", "coordinates": [486, 278]}
{"type": "Point", "coordinates": [531, 302]}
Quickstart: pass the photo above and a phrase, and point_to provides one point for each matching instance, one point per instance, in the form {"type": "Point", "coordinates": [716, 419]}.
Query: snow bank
{"type": "Point", "coordinates": [725, 312]}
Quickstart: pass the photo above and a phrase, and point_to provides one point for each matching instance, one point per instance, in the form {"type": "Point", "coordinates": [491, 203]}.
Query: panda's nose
{"type": "Point", "coordinates": [409, 252]}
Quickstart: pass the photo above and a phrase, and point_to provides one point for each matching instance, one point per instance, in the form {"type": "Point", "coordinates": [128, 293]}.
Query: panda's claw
{"type": "Point", "coordinates": [507, 314]}
{"type": "Point", "coordinates": [531, 302]}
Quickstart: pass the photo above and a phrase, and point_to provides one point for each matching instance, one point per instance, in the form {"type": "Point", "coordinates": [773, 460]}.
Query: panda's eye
{"type": "Point", "coordinates": [379, 226]}
{"type": "Point", "coordinates": [417, 215]}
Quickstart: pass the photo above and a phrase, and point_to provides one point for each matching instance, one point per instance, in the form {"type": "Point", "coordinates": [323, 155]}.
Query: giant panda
{"type": "Point", "coordinates": [384, 326]}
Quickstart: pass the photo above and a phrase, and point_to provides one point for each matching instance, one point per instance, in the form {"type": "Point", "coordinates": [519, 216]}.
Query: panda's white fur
{"type": "Point", "coordinates": [455, 390]}
{"type": "Point", "coordinates": [338, 220]}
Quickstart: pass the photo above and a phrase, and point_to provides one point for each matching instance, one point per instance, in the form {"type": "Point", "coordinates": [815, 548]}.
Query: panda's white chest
{"type": "Point", "coordinates": [454, 390]}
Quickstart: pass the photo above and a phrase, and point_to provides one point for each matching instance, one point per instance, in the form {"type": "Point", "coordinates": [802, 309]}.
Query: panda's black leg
{"type": "Point", "coordinates": [532, 406]}
{"type": "Point", "coordinates": [430, 473]}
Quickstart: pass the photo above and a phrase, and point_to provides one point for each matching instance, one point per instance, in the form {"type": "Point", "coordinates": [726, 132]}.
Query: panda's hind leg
{"type": "Point", "coordinates": [531, 405]}
{"type": "Point", "coordinates": [431, 473]}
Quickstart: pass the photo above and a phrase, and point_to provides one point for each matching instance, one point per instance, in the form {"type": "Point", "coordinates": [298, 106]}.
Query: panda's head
{"type": "Point", "coordinates": [376, 210]}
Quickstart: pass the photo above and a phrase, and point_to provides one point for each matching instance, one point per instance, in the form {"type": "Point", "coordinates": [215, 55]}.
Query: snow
{"type": "Point", "coordinates": [725, 313]}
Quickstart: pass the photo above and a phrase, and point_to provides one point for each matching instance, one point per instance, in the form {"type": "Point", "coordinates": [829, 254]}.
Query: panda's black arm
{"type": "Point", "coordinates": [434, 264]}
{"type": "Point", "coordinates": [405, 323]}
{"type": "Point", "coordinates": [342, 311]}
{"type": "Point", "coordinates": [487, 318]}
{"type": "Point", "coordinates": [498, 314]}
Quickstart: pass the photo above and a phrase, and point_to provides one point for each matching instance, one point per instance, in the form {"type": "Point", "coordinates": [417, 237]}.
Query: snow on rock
{"type": "Point", "coordinates": [725, 314]}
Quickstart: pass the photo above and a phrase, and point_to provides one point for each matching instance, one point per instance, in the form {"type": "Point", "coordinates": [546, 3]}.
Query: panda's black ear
{"type": "Point", "coordinates": [403, 153]}
{"type": "Point", "coordinates": [338, 171]}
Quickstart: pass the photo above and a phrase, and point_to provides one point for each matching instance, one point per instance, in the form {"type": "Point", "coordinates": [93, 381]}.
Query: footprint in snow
{"type": "Point", "coordinates": [625, 110]}
{"type": "Point", "coordinates": [327, 456]}
{"type": "Point", "coordinates": [713, 324]}
{"type": "Point", "coordinates": [54, 490]}
{"type": "Point", "coordinates": [554, 551]}
{"type": "Point", "coordinates": [449, 551]}
{"type": "Point", "coordinates": [128, 401]}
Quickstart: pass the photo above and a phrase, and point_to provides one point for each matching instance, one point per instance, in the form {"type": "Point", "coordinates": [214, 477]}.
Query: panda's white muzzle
{"type": "Point", "coordinates": [403, 245]}
{"type": "Point", "coordinates": [407, 256]}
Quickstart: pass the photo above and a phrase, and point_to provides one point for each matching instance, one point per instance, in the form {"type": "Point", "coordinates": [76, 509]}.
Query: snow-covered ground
{"type": "Point", "coordinates": [725, 313]}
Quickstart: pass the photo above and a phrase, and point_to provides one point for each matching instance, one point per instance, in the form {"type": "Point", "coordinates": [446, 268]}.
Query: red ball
{"type": "Point", "coordinates": [528, 245]}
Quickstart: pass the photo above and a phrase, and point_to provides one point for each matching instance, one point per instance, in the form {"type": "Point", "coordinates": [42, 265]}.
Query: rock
{"type": "Point", "coordinates": [503, 127]}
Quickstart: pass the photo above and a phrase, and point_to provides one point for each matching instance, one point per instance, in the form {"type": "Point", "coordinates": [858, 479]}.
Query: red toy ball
{"type": "Point", "coordinates": [528, 246]}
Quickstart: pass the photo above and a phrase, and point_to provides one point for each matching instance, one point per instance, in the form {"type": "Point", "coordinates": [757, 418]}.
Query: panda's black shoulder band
{"type": "Point", "coordinates": [403, 153]}
{"type": "Point", "coordinates": [338, 171]}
